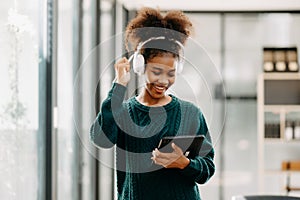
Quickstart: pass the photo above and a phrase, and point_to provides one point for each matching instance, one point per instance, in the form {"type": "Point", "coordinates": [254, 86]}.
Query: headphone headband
{"type": "Point", "coordinates": [139, 61]}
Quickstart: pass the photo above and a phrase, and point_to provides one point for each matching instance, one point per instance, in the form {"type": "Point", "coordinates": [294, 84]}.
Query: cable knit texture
{"type": "Point", "coordinates": [136, 130]}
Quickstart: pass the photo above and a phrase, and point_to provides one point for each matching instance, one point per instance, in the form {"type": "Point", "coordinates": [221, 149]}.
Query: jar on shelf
{"type": "Point", "coordinates": [268, 67]}
{"type": "Point", "coordinates": [293, 67]}
{"type": "Point", "coordinates": [291, 56]}
{"type": "Point", "coordinates": [280, 62]}
{"type": "Point", "coordinates": [297, 130]}
{"type": "Point", "coordinates": [288, 132]}
{"type": "Point", "coordinates": [280, 66]}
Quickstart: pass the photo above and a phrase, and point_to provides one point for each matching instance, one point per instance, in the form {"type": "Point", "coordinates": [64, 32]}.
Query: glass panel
{"type": "Point", "coordinates": [245, 37]}
{"type": "Point", "coordinates": [200, 77]}
{"type": "Point", "coordinates": [240, 152]}
{"type": "Point", "coordinates": [87, 74]}
{"type": "Point", "coordinates": [202, 74]}
{"type": "Point", "coordinates": [75, 94]}
{"type": "Point", "coordinates": [243, 53]}
{"type": "Point", "coordinates": [19, 99]}
{"type": "Point", "coordinates": [107, 55]}
{"type": "Point", "coordinates": [66, 165]}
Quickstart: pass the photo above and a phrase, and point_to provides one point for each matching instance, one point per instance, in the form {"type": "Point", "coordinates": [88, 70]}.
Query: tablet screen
{"type": "Point", "coordinates": [190, 145]}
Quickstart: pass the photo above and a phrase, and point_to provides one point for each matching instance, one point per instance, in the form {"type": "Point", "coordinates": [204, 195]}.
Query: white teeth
{"type": "Point", "coordinates": [160, 88]}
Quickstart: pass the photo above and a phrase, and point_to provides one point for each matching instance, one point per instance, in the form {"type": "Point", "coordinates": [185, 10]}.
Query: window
{"type": "Point", "coordinates": [19, 158]}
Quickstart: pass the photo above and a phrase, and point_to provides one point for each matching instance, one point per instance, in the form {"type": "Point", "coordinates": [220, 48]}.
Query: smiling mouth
{"type": "Point", "coordinates": [160, 89]}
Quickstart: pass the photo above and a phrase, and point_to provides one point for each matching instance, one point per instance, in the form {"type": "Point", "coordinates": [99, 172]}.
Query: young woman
{"type": "Point", "coordinates": [136, 125]}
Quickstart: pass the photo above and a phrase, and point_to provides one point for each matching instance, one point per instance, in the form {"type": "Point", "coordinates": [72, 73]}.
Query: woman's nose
{"type": "Point", "coordinates": [163, 80]}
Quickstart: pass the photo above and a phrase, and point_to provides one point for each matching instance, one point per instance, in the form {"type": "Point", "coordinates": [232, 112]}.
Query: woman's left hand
{"type": "Point", "coordinates": [176, 159]}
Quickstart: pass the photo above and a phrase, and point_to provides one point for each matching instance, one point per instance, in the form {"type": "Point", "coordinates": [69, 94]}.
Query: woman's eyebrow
{"type": "Point", "coordinates": [160, 69]}
{"type": "Point", "coordinates": [157, 68]}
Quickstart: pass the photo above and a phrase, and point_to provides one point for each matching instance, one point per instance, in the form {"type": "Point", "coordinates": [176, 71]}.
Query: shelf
{"type": "Point", "coordinates": [282, 108]}
{"type": "Point", "coordinates": [281, 76]}
{"type": "Point", "coordinates": [280, 141]}
{"type": "Point", "coordinates": [293, 188]}
{"type": "Point", "coordinates": [277, 102]}
{"type": "Point", "coordinates": [280, 172]}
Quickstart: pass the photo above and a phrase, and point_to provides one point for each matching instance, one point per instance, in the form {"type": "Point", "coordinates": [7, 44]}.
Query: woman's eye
{"type": "Point", "coordinates": [171, 74]}
{"type": "Point", "coordinates": [156, 73]}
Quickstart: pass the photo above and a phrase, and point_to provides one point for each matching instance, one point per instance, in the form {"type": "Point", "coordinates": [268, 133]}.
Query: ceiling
{"type": "Point", "coordinates": [215, 5]}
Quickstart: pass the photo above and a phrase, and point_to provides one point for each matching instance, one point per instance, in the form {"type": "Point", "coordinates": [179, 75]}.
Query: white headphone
{"type": "Point", "coordinates": [139, 61]}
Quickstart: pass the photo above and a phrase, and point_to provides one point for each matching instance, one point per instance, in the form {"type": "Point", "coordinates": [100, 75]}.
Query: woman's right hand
{"type": "Point", "coordinates": [122, 68]}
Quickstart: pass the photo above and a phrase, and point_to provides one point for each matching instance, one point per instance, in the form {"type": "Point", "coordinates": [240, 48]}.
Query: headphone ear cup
{"type": "Point", "coordinates": [138, 63]}
{"type": "Point", "coordinates": [179, 66]}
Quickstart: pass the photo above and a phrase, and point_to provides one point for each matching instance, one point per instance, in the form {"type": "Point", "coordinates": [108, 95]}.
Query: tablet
{"type": "Point", "coordinates": [190, 145]}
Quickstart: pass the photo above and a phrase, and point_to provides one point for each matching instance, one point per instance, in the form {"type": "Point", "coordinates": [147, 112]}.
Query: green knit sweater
{"type": "Point", "coordinates": [136, 130]}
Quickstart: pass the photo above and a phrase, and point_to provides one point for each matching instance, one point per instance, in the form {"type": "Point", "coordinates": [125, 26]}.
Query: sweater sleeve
{"type": "Point", "coordinates": [104, 130]}
{"type": "Point", "coordinates": [202, 167]}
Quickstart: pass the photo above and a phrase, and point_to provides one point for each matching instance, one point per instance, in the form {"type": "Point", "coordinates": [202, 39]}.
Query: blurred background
{"type": "Point", "coordinates": [57, 59]}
